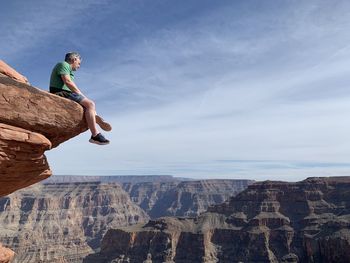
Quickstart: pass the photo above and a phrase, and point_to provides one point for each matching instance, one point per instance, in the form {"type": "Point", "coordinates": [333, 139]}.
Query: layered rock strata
{"type": "Point", "coordinates": [22, 158]}
{"type": "Point", "coordinates": [63, 222]}
{"type": "Point", "coordinates": [307, 221]}
{"type": "Point", "coordinates": [27, 210]}
{"type": "Point", "coordinates": [187, 198]}
{"type": "Point", "coordinates": [166, 195]}
{"type": "Point", "coordinates": [35, 110]}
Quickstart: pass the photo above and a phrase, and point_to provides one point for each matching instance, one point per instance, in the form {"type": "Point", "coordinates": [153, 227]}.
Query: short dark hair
{"type": "Point", "coordinates": [70, 56]}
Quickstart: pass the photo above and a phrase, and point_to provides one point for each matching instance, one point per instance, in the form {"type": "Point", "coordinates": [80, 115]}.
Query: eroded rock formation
{"type": "Point", "coordinates": [31, 122]}
{"type": "Point", "coordinates": [21, 158]}
{"type": "Point", "coordinates": [308, 221]}
{"type": "Point", "coordinates": [187, 198]}
{"type": "Point", "coordinates": [35, 110]}
{"type": "Point", "coordinates": [63, 222]}
{"type": "Point", "coordinates": [166, 195]}
{"type": "Point", "coordinates": [10, 72]}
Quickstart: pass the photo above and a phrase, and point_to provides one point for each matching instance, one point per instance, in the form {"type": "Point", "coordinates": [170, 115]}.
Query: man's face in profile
{"type": "Point", "coordinates": [76, 64]}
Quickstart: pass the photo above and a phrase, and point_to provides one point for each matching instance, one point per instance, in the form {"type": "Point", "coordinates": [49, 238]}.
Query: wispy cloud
{"type": "Point", "coordinates": [186, 84]}
{"type": "Point", "coordinates": [30, 27]}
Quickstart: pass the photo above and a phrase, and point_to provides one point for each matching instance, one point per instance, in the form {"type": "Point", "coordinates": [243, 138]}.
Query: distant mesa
{"type": "Point", "coordinates": [29, 126]}
{"type": "Point", "coordinates": [114, 178]}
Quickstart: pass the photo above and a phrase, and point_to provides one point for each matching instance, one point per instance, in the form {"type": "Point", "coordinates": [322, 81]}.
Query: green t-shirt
{"type": "Point", "coordinates": [62, 68]}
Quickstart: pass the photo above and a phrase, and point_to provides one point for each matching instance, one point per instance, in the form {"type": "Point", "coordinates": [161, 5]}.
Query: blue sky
{"type": "Point", "coordinates": [201, 89]}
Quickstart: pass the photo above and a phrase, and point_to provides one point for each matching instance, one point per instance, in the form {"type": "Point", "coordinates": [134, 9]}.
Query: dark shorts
{"type": "Point", "coordinates": [67, 94]}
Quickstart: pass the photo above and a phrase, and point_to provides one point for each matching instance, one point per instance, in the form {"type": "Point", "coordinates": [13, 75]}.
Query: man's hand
{"type": "Point", "coordinates": [70, 84]}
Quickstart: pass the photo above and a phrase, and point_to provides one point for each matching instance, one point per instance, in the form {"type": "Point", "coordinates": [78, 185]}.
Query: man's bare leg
{"type": "Point", "coordinates": [90, 115]}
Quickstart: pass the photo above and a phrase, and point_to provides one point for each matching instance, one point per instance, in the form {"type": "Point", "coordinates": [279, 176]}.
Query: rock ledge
{"type": "Point", "coordinates": [31, 122]}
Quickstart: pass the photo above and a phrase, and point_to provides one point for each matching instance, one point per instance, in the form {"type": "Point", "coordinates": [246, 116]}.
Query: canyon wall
{"type": "Point", "coordinates": [186, 198]}
{"type": "Point", "coordinates": [64, 219]}
{"type": "Point", "coordinates": [307, 221]}
{"type": "Point", "coordinates": [53, 222]}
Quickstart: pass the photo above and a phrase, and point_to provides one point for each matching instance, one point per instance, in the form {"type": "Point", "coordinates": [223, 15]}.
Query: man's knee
{"type": "Point", "coordinates": [88, 104]}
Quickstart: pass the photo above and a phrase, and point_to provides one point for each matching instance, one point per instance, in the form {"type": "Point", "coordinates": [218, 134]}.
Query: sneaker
{"type": "Point", "coordinates": [103, 124]}
{"type": "Point", "coordinates": [99, 139]}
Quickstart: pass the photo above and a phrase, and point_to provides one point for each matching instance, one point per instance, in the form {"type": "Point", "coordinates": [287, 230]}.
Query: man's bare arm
{"type": "Point", "coordinates": [70, 84]}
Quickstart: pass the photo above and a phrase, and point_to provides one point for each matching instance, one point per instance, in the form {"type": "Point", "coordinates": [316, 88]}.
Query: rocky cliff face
{"type": "Point", "coordinates": [72, 217]}
{"type": "Point", "coordinates": [30, 125]}
{"type": "Point", "coordinates": [166, 195]}
{"type": "Point", "coordinates": [22, 161]}
{"type": "Point", "coordinates": [63, 222]}
{"type": "Point", "coordinates": [188, 198]}
{"type": "Point", "coordinates": [308, 221]}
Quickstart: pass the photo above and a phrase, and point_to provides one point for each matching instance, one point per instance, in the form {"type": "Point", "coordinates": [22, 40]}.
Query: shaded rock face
{"type": "Point", "coordinates": [22, 160]}
{"type": "Point", "coordinates": [63, 222]}
{"type": "Point", "coordinates": [166, 195]}
{"type": "Point", "coordinates": [31, 122]}
{"type": "Point", "coordinates": [189, 198]}
{"type": "Point", "coordinates": [55, 211]}
{"type": "Point", "coordinates": [308, 221]}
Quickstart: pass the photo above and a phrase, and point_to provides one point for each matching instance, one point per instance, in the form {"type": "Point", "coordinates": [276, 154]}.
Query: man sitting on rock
{"type": "Point", "coordinates": [62, 84]}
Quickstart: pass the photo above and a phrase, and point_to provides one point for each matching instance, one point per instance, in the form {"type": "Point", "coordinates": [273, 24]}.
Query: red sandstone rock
{"type": "Point", "coordinates": [10, 72]}
{"type": "Point", "coordinates": [24, 106]}
{"type": "Point", "coordinates": [22, 160]}
{"type": "Point", "coordinates": [6, 254]}
{"type": "Point", "coordinates": [31, 122]}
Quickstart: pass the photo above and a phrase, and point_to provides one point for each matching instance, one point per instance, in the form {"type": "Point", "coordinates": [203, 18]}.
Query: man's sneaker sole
{"type": "Point", "coordinates": [97, 142]}
{"type": "Point", "coordinates": [104, 125]}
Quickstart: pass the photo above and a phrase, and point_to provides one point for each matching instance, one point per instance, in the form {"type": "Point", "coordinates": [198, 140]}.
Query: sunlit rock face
{"type": "Point", "coordinates": [73, 213]}
{"type": "Point", "coordinates": [307, 221]}
{"type": "Point", "coordinates": [63, 222]}
{"type": "Point", "coordinates": [167, 195]}
{"type": "Point", "coordinates": [32, 121]}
